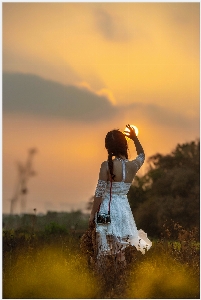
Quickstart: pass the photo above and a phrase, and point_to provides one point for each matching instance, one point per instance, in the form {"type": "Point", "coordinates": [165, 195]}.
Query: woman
{"type": "Point", "coordinates": [115, 178]}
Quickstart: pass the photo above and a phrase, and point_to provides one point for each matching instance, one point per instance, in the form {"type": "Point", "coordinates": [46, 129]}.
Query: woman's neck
{"type": "Point", "coordinates": [120, 157]}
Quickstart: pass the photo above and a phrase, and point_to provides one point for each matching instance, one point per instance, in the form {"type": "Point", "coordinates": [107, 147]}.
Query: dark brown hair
{"type": "Point", "coordinates": [116, 145]}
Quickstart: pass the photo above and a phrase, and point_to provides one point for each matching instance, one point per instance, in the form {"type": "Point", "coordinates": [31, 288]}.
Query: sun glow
{"type": "Point", "coordinates": [135, 128]}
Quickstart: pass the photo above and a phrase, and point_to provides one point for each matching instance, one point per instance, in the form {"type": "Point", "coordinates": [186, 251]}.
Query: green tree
{"type": "Point", "coordinates": [169, 190]}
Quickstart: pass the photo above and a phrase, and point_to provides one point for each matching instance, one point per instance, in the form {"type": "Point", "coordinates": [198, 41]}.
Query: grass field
{"type": "Point", "coordinates": [51, 265]}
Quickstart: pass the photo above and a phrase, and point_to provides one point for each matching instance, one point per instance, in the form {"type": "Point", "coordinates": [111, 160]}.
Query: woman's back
{"type": "Point", "coordinates": [121, 175]}
{"type": "Point", "coordinates": [123, 169]}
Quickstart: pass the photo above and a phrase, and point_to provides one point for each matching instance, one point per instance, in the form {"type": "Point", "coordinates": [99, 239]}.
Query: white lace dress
{"type": "Point", "coordinates": [122, 230]}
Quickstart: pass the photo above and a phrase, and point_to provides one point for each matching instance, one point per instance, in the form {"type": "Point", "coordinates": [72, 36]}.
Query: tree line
{"type": "Point", "coordinates": [169, 191]}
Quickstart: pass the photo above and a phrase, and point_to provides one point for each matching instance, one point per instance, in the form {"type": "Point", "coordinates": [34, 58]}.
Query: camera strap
{"type": "Point", "coordinates": [110, 197]}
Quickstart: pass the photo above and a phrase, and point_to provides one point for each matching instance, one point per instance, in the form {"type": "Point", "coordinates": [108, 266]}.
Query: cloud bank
{"type": "Point", "coordinates": [26, 93]}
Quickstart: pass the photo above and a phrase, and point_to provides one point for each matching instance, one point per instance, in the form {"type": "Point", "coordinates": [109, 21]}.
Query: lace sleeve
{"type": "Point", "coordinates": [139, 160]}
{"type": "Point", "coordinates": [100, 188]}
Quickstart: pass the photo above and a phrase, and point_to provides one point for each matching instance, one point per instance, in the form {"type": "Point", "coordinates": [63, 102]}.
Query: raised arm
{"type": "Point", "coordinates": [132, 135]}
{"type": "Point", "coordinates": [140, 151]}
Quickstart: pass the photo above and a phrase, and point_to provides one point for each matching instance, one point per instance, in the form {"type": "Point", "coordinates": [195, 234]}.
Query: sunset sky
{"type": "Point", "coordinates": [74, 71]}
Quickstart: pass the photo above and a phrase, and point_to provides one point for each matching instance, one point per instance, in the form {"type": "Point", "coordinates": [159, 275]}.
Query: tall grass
{"type": "Point", "coordinates": [51, 266]}
{"type": "Point", "coordinates": [160, 276]}
{"type": "Point", "coordinates": [49, 274]}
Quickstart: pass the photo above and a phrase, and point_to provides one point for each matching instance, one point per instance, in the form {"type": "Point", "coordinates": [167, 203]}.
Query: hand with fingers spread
{"type": "Point", "coordinates": [131, 134]}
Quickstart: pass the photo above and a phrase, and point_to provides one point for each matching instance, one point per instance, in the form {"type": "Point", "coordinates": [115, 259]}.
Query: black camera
{"type": "Point", "coordinates": [103, 218]}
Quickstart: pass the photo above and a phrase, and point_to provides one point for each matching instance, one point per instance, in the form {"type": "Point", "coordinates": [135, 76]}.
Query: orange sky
{"type": "Point", "coordinates": [118, 63]}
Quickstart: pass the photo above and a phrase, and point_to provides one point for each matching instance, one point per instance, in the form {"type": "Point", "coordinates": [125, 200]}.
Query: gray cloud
{"type": "Point", "coordinates": [160, 115]}
{"type": "Point", "coordinates": [25, 93]}
{"type": "Point", "coordinates": [183, 13]}
{"type": "Point", "coordinates": [110, 27]}
{"type": "Point", "coordinates": [32, 94]}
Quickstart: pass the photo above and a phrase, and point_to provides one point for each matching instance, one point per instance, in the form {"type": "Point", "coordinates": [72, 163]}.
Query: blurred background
{"type": "Point", "coordinates": [74, 71]}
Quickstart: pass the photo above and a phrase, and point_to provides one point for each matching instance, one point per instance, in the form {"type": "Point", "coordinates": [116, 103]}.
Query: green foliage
{"type": "Point", "coordinates": [54, 228]}
{"type": "Point", "coordinates": [51, 222]}
{"type": "Point", "coordinates": [169, 190]}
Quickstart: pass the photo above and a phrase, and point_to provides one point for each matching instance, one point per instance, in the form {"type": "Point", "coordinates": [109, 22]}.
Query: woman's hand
{"type": "Point", "coordinates": [131, 133]}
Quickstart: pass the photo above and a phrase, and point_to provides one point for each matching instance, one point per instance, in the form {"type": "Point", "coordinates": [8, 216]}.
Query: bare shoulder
{"type": "Point", "coordinates": [103, 171]}
{"type": "Point", "coordinates": [131, 164]}
{"type": "Point", "coordinates": [104, 164]}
